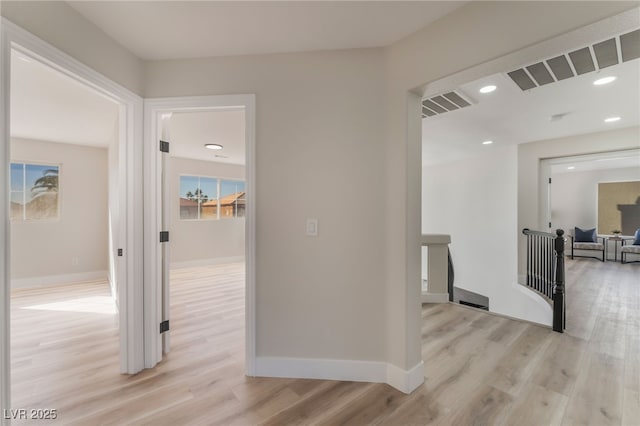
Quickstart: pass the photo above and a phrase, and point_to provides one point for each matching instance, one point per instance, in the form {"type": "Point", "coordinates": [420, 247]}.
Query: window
{"type": "Point", "coordinates": [34, 191]}
{"type": "Point", "coordinates": [232, 198]}
{"type": "Point", "coordinates": [206, 198]}
{"type": "Point", "coordinates": [197, 196]}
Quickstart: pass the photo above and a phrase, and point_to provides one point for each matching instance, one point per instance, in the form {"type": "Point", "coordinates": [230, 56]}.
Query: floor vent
{"type": "Point", "coordinates": [613, 51]}
{"type": "Point", "coordinates": [474, 305]}
{"type": "Point", "coordinates": [470, 298]}
{"type": "Point", "coordinates": [441, 104]}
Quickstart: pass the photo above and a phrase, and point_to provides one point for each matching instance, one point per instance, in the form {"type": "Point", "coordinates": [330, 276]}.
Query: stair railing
{"type": "Point", "coordinates": [545, 270]}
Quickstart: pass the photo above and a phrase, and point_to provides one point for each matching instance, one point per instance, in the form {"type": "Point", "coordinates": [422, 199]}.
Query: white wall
{"type": "Point", "coordinates": [63, 27]}
{"type": "Point", "coordinates": [318, 147]}
{"type": "Point", "coordinates": [47, 248]}
{"type": "Point", "coordinates": [474, 200]}
{"type": "Point", "coordinates": [530, 206]}
{"type": "Point", "coordinates": [203, 241]}
{"type": "Point", "coordinates": [574, 196]}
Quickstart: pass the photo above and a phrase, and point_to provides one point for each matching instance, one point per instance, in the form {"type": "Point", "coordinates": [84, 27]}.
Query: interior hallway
{"type": "Point", "coordinates": [480, 368]}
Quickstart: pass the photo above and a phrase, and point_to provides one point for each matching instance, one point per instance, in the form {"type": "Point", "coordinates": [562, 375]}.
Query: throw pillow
{"type": "Point", "coordinates": [636, 238]}
{"type": "Point", "coordinates": [585, 235]}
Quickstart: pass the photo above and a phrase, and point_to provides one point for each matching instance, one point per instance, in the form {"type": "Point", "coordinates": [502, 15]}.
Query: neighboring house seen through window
{"type": "Point", "coordinates": [206, 198]}
{"type": "Point", "coordinates": [34, 191]}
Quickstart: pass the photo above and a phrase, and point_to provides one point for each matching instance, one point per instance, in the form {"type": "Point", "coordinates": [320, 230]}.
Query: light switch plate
{"type": "Point", "coordinates": [312, 227]}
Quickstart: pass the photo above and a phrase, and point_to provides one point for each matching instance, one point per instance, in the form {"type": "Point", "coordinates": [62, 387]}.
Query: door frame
{"type": "Point", "coordinates": [130, 301]}
{"type": "Point", "coordinates": [545, 176]}
{"type": "Point", "coordinates": [153, 265]}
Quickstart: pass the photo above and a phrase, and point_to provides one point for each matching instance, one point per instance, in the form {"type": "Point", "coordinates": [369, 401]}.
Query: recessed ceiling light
{"type": "Point", "coordinates": [213, 146]}
{"type": "Point", "coordinates": [611, 119]}
{"type": "Point", "coordinates": [487, 142]}
{"type": "Point", "coordinates": [488, 89]}
{"type": "Point", "coordinates": [604, 80]}
{"type": "Point", "coordinates": [571, 167]}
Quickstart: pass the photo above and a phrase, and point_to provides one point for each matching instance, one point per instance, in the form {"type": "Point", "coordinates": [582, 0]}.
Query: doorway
{"type": "Point", "coordinates": [128, 108]}
{"type": "Point", "coordinates": [195, 200]}
{"type": "Point", "coordinates": [63, 221]}
{"type": "Point", "coordinates": [579, 174]}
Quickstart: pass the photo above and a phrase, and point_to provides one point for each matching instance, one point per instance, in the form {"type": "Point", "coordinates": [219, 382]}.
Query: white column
{"type": "Point", "coordinates": [437, 268]}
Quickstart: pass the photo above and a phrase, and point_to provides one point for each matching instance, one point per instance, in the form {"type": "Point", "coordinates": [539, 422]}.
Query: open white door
{"type": "Point", "coordinates": [156, 236]}
{"type": "Point", "coordinates": [164, 223]}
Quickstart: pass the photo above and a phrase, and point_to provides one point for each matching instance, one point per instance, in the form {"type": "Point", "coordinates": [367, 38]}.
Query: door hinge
{"type": "Point", "coordinates": [164, 326]}
{"type": "Point", "coordinates": [164, 236]}
{"type": "Point", "coordinates": [120, 252]}
{"type": "Point", "coordinates": [164, 146]}
{"type": "Point", "coordinates": [549, 180]}
{"type": "Point", "coordinates": [549, 224]}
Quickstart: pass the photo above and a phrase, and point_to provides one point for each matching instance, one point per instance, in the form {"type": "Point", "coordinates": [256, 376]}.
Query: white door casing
{"type": "Point", "coordinates": [155, 269]}
{"type": "Point", "coordinates": [130, 185]}
{"type": "Point", "coordinates": [5, 312]}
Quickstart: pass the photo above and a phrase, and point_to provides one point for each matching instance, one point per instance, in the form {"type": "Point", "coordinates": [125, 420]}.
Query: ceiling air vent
{"type": "Point", "coordinates": [582, 61]}
{"type": "Point", "coordinates": [606, 53]}
{"type": "Point", "coordinates": [600, 55]}
{"type": "Point", "coordinates": [560, 67]}
{"type": "Point", "coordinates": [630, 45]}
{"type": "Point", "coordinates": [522, 79]}
{"type": "Point", "coordinates": [540, 74]}
{"type": "Point", "coordinates": [443, 103]}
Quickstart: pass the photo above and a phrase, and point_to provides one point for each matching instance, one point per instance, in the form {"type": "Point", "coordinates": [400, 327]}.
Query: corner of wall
{"type": "Point", "coordinates": [403, 380]}
{"type": "Point", "coordinates": [345, 370]}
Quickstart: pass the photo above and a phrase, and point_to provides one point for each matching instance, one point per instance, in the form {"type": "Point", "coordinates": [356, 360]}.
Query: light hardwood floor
{"type": "Point", "coordinates": [479, 368]}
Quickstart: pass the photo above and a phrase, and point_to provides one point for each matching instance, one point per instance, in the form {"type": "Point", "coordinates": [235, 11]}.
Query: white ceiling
{"type": "Point", "coordinates": [48, 105]}
{"type": "Point", "coordinates": [188, 132]}
{"type": "Point", "coordinates": [602, 161]}
{"type": "Point", "coordinates": [189, 29]}
{"type": "Point", "coordinates": [510, 116]}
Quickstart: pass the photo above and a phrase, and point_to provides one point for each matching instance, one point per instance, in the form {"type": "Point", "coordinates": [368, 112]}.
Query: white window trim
{"type": "Point", "coordinates": [23, 219]}
{"type": "Point", "coordinates": [218, 180]}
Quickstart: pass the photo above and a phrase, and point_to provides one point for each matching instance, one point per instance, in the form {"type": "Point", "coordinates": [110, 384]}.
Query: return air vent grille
{"type": "Point", "coordinates": [440, 104]}
{"type": "Point", "coordinates": [580, 61]}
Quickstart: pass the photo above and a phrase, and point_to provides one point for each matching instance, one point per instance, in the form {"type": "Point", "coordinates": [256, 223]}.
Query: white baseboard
{"type": "Point", "coordinates": [435, 297]}
{"type": "Point", "coordinates": [405, 381]}
{"type": "Point", "coordinates": [206, 262]}
{"type": "Point", "coordinates": [51, 280]}
{"type": "Point", "coordinates": [346, 370]}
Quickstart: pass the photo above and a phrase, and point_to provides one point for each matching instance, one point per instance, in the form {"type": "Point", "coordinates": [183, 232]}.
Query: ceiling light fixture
{"type": "Point", "coordinates": [487, 142]}
{"type": "Point", "coordinates": [604, 80]}
{"type": "Point", "coordinates": [215, 146]}
{"type": "Point", "coordinates": [488, 89]}
{"type": "Point", "coordinates": [571, 167]}
{"type": "Point", "coordinates": [611, 119]}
